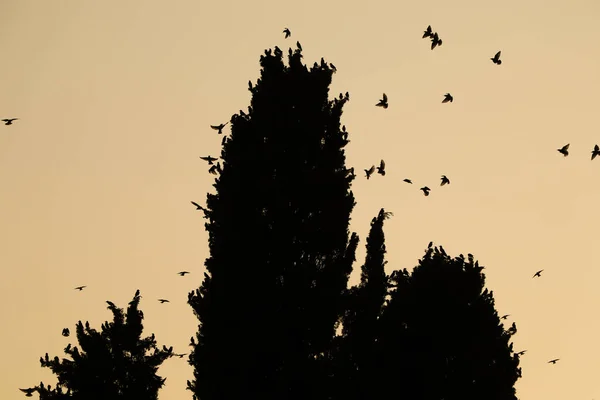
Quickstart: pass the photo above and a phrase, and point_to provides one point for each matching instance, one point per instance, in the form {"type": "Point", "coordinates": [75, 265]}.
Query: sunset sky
{"type": "Point", "coordinates": [115, 99]}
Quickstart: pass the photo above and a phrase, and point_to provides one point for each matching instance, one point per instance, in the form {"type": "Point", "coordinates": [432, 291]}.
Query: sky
{"type": "Point", "coordinates": [115, 99]}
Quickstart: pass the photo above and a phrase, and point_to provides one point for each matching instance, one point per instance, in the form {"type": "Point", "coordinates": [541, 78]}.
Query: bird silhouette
{"type": "Point", "coordinates": [179, 355]}
{"type": "Point", "coordinates": [448, 98]}
{"type": "Point", "coordinates": [553, 361]}
{"type": "Point", "coordinates": [369, 171]}
{"type": "Point", "coordinates": [162, 301]}
{"type": "Point", "coordinates": [65, 332]}
{"type": "Point", "coordinates": [505, 316]}
{"type": "Point", "coordinates": [496, 59]}
{"type": "Point", "coordinates": [381, 168]}
{"type": "Point", "coordinates": [29, 392]}
{"type": "Point", "coordinates": [287, 33]}
{"type": "Point", "coordinates": [299, 45]}
{"type": "Point", "coordinates": [445, 180]}
{"type": "Point", "coordinates": [425, 190]}
{"type": "Point", "coordinates": [427, 32]}
{"type": "Point", "coordinates": [564, 150]}
{"type": "Point", "coordinates": [80, 288]}
{"type": "Point", "coordinates": [209, 159]}
{"type": "Point", "coordinates": [182, 273]}
{"type": "Point", "coordinates": [407, 180]}
{"type": "Point", "coordinates": [383, 102]}
{"type": "Point", "coordinates": [435, 41]}
{"type": "Point", "coordinates": [538, 274]}
{"type": "Point", "coordinates": [219, 128]}
{"type": "Point", "coordinates": [595, 152]}
{"type": "Point", "coordinates": [9, 121]}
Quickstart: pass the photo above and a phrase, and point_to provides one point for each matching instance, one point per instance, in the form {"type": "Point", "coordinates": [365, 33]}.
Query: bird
{"type": "Point", "coordinates": [381, 168]}
{"type": "Point", "coordinates": [445, 180]}
{"type": "Point", "coordinates": [427, 32]}
{"type": "Point", "coordinates": [333, 69]}
{"type": "Point", "coordinates": [564, 150]}
{"type": "Point", "coordinates": [595, 152]}
{"type": "Point", "coordinates": [65, 332]}
{"type": "Point", "coordinates": [287, 33]}
{"type": "Point", "coordinates": [553, 361]}
{"type": "Point", "coordinates": [407, 180]}
{"type": "Point", "coordinates": [435, 41]}
{"type": "Point", "coordinates": [80, 288]}
{"type": "Point", "coordinates": [505, 316]}
{"type": "Point", "coordinates": [369, 171]}
{"type": "Point", "coordinates": [179, 355]}
{"type": "Point", "coordinates": [496, 59]}
{"type": "Point", "coordinates": [162, 301]}
{"type": "Point", "coordinates": [209, 159]}
{"type": "Point", "coordinates": [198, 206]}
{"type": "Point", "coordinates": [521, 352]}
{"type": "Point", "coordinates": [219, 128]}
{"type": "Point", "coordinates": [9, 121]}
{"type": "Point", "coordinates": [182, 273]}
{"type": "Point", "coordinates": [538, 274]}
{"type": "Point", "coordinates": [383, 102]}
{"type": "Point", "coordinates": [425, 190]}
{"type": "Point", "coordinates": [448, 98]}
{"type": "Point", "coordinates": [299, 45]}
{"type": "Point", "coordinates": [29, 391]}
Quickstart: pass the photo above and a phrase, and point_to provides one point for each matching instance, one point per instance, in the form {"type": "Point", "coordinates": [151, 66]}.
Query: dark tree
{"type": "Point", "coordinates": [115, 363]}
{"type": "Point", "coordinates": [356, 366]}
{"type": "Point", "coordinates": [280, 252]}
{"type": "Point", "coordinates": [441, 336]}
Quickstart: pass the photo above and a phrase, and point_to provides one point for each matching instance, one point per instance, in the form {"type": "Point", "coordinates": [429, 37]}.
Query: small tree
{"type": "Point", "coordinates": [115, 363]}
{"type": "Point", "coordinates": [441, 336]}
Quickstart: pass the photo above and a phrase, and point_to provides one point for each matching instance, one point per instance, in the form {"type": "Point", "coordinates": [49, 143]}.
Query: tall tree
{"type": "Point", "coordinates": [441, 336]}
{"type": "Point", "coordinates": [280, 252]}
{"type": "Point", "coordinates": [114, 363]}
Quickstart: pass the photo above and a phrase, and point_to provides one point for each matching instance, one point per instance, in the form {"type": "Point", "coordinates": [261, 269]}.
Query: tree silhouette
{"type": "Point", "coordinates": [280, 252]}
{"type": "Point", "coordinates": [115, 363]}
{"type": "Point", "coordinates": [441, 336]}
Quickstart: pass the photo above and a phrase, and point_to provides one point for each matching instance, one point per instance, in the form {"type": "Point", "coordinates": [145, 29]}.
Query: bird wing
{"type": "Point", "coordinates": [382, 164]}
{"type": "Point", "coordinates": [566, 146]}
{"type": "Point", "coordinates": [371, 170]}
{"type": "Point", "coordinates": [384, 98]}
{"type": "Point", "coordinates": [596, 148]}
{"type": "Point", "coordinates": [215, 127]}
{"type": "Point", "coordinates": [196, 204]}
{"type": "Point", "coordinates": [497, 55]}
{"type": "Point", "coordinates": [594, 154]}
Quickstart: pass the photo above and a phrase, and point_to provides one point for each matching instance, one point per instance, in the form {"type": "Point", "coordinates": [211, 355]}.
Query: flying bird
{"type": "Point", "coordinates": [162, 301]}
{"type": "Point", "coordinates": [381, 168]}
{"type": "Point", "coordinates": [505, 316]}
{"type": "Point", "coordinates": [65, 332]}
{"type": "Point", "coordinates": [383, 102]}
{"type": "Point", "coordinates": [29, 392]}
{"type": "Point", "coordinates": [445, 180]}
{"type": "Point", "coordinates": [538, 274]}
{"type": "Point", "coordinates": [407, 180]}
{"type": "Point", "coordinates": [369, 171]}
{"type": "Point", "coordinates": [179, 355]}
{"type": "Point", "coordinates": [80, 288]}
{"type": "Point", "coordinates": [564, 150]}
{"type": "Point", "coordinates": [425, 190]}
{"type": "Point", "coordinates": [435, 41]}
{"type": "Point", "coordinates": [219, 128]}
{"type": "Point", "coordinates": [553, 361]}
{"type": "Point", "coordinates": [427, 32]}
{"type": "Point", "coordinates": [182, 273]}
{"type": "Point", "coordinates": [287, 33]}
{"type": "Point", "coordinates": [9, 121]}
{"type": "Point", "coordinates": [448, 98]}
{"type": "Point", "coordinates": [209, 159]}
{"type": "Point", "coordinates": [595, 152]}
{"type": "Point", "coordinates": [496, 59]}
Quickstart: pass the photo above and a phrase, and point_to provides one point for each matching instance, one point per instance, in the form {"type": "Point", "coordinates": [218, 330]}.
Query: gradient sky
{"type": "Point", "coordinates": [115, 99]}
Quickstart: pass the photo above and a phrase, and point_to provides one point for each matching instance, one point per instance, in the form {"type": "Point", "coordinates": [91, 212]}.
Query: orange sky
{"type": "Point", "coordinates": [115, 99]}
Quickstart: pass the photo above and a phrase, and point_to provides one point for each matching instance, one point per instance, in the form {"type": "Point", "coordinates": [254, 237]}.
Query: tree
{"type": "Point", "coordinates": [280, 252]}
{"type": "Point", "coordinates": [115, 363]}
{"type": "Point", "coordinates": [441, 336]}
{"type": "Point", "coordinates": [356, 366]}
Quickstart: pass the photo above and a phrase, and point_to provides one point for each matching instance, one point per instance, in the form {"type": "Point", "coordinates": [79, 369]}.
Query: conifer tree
{"type": "Point", "coordinates": [280, 252]}
{"type": "Point", "coordinates": [114, 363]}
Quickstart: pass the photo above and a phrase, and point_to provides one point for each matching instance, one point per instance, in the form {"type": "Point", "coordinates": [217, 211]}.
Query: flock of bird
{"type": "Point", "coordinates": [383, 103]}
